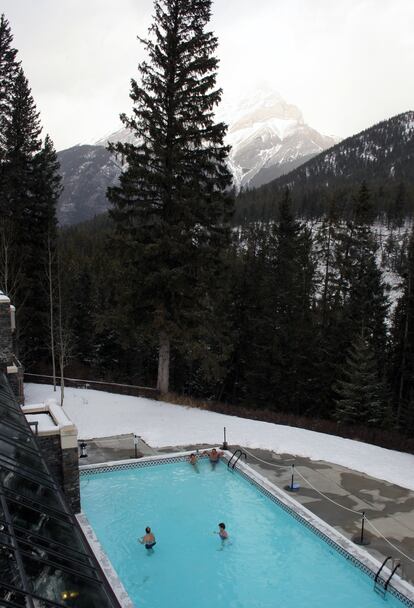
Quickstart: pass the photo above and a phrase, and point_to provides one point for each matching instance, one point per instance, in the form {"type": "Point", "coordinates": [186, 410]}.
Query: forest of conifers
{"type": "Point", "coordinates": [313, 318]}
{"type": "Point", "coordinates": [302, 307]}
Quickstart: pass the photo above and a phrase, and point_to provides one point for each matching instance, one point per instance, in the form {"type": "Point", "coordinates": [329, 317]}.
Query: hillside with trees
{"type": "Point", "coordinates": [382, 156]}
{"type": "Point", "coordinates": [303, 309]}
{"type": "Point", "coordinates": [29, 190]}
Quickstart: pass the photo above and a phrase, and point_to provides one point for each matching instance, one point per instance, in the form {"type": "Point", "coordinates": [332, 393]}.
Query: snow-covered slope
{"type": "Point", "coordinates": [384, 152]}
{"type": "Point", "coordinates": [100, 414]}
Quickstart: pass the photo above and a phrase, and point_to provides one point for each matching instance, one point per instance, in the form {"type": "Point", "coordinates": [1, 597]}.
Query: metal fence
{"type": "Point", "coordinates": [97, 385]}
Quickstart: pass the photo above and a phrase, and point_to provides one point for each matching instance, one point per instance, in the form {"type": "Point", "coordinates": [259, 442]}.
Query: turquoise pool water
{"type": "Point", "coordinates": [270, 560]}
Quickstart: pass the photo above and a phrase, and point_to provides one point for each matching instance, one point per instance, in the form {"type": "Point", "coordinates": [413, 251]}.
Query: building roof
{"type": "Point", "coordinates": [44, 558]}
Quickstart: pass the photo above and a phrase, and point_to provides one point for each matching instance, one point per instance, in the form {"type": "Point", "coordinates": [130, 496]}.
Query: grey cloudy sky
{"type": "Point", "coordinates": [346, 63]}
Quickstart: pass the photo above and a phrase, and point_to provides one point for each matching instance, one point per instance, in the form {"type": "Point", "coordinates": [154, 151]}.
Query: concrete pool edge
{"type": "Point", "coordinates": [104, 562]}
{"type": "Point", "coordinates": [360, 558]}
{"type": "Point", "coordinates": [399, 588]}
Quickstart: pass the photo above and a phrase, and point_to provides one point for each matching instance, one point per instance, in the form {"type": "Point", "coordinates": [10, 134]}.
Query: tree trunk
{"type": "Point", "coordinates": [163, 363]}
{"type": "Point", "coordinates": [405, 342]}
{"type": "Point", "coordinates": [61, 337]}
{"type": "Point", "coordinates": [62, 380]}
{"type": "Point", "coordinates": [51, 305]}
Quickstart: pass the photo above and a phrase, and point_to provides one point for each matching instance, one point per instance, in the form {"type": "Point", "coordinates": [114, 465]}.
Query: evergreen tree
{"type": "Point", "coordinates": [29, 189]}
{"type": "Point", "coordinates": [360, 392]}
{"type": "Point", "coordinates": [402, 355]}
{"type": "Point", "coordinates": [293, 285]}
{"type": "Point", "coordinates": [40, 264]}
{"type": "Point", "coordinates": [23, 143]}
{"type": "Point", "coordinates": [398, 207]}
{"type": "Point", "coordinates": [171, 209]}
{"type": "Point", "coordinates": [325, 245]}
{"type": "Point", "coordinates": [360, 289]}
{"type": "Point", "coordinates": [363, 208]}
{"type": "Point", "coordinates": [252, 313]}
{"type": "Point", "coordinates": [8, 72]}
{"type": "Point", "coordinates": [278, 372]}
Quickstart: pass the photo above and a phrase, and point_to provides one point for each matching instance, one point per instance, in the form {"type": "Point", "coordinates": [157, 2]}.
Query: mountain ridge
{"type": "Point", "coordinates": [381, 155]}
{"type": "Point", "coordinates": [269, 137]}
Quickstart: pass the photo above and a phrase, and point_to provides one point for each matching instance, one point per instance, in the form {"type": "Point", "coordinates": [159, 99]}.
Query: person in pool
{"type": "Point", "coordinates": [222, 532]}
{"type": "Point", "coordinates": [192, 459]}
{"type": "Point", "coordinates": [224, 536]}
{"type": "Point", "coordinates": [214, 456]}
{"type": "Point", "coordinates": [148, 539]}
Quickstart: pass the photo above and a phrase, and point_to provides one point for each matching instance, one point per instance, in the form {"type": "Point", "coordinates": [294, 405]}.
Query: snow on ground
{"type": "Point", "coordinates": [100, 414]}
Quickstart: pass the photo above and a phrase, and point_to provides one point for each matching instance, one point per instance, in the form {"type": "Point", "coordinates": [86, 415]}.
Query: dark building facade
{"type": "Point", "coordinates": [9, 364]}
{"type": "Point", "coordinates": [45, 560]}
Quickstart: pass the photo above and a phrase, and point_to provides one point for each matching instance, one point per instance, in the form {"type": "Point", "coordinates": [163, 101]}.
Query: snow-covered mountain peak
{"type": "Point", "coordinates": [261, 103]}
{"type": "Point", "coordinates": [267, 135]}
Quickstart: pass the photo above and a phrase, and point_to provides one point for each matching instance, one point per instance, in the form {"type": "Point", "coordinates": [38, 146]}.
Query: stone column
{"type": "Point", "coordinates": [6, 341]}
{"type": "Point", "coordinates": [58, 440]}
{"type": "Point", "coordinates": [70, 466]}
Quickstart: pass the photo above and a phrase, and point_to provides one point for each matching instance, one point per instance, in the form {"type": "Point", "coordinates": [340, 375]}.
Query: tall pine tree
{"type": "Point", "coordinates": [171, 208]}
{"type": "Point", "coordinates": [401, 371]}
{"type": "Point", "coordinates": [361, 395]}
{"type": "Point", "coordinates": [29, 189]}
{"type": "Point", "coordinates": [8, 73]}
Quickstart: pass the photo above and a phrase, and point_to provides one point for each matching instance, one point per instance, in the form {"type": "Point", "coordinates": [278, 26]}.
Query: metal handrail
{"type": "Point", "coordinates": [391, 575]}
{"type": "Point", "coordinates": [232, 456]}
{"type": "Point", "coordinates": [381, 567]}
{"type": "Point", "coordinates": [239, 453]}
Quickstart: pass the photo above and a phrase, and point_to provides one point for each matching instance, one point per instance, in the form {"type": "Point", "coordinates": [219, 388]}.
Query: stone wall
{"type": "Point", "coordinates": [70, 470]}
{"type": "Point", "coordinates": [16, 381]}
{"type": "Point", "coordinates": [64, 466]}
{"type": "Point", "coordinates": [8, 362]}
{"type": "Point", "coordinates": [6, 341]}
{"type": "Point", "coordinates": [52, 451]}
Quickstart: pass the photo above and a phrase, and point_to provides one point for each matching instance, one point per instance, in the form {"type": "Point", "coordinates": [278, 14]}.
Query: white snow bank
{"type": "Point", "coordinates": [99, 414]}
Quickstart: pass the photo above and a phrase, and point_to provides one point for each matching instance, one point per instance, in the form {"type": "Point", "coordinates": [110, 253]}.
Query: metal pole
{"type": "Point", "coordinates": [360, 540]}
{"type": "Point", "coordinates": [292, 487]}
{"type": "Point", "coordinates": [135, 446]}
{"type": "Point", "coordinates": [362, 527]}
{"type": "Point", "coordinates": [225, 446]}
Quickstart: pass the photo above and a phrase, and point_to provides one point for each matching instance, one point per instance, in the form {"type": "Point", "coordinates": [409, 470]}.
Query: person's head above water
{"type": "Point", "coordinates": [222, 526]}
{"type": "Point", "coordinates": [147, 530]}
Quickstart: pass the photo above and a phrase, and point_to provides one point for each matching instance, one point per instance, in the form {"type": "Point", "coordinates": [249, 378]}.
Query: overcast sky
{"type": "Point", "coordinates": [347, 64]}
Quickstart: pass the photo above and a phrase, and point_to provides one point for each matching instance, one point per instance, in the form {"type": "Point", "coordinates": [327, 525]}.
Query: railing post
{"type": "Point", "coordinates": [83, 453]}
{"type": "Point", "coordinates": [293, 487]}
{"type": "Point", "coordinates": [225, 444]}
{"type": "Point", "coordinates": [360, 540]}
{"type": "Point", "coordinates": [362, 528]}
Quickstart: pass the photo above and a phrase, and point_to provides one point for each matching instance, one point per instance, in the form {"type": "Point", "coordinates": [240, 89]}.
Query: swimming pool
{"type": "Point", "coordinates": [270, 560]}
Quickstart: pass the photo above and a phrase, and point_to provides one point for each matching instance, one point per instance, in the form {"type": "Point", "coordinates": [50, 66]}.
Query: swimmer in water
{"type": "Point", "coordinates": [148, 539]}
{"type": "Point", "coordinates": [222, 532]}
{"type": "Point", "coordinates": [193, 461]}
{"type": "Point", "coordinates": [224, 536]}
{"type": "Point", "coordinates": [214, 457]}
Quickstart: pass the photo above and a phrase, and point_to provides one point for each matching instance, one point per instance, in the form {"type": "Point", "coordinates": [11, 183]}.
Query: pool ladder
{"type": "Point", "coordinates": [237, 454]}
{"type": "Point", "coordinates": [380, 585]}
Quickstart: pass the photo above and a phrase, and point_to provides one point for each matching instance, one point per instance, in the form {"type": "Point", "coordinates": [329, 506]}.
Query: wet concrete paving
{"type": "Point", "coordinates": [388, 507]}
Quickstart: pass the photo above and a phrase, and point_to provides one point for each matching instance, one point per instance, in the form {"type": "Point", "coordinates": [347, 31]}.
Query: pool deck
{"type": "Point", "coordinates": [389, 507]}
